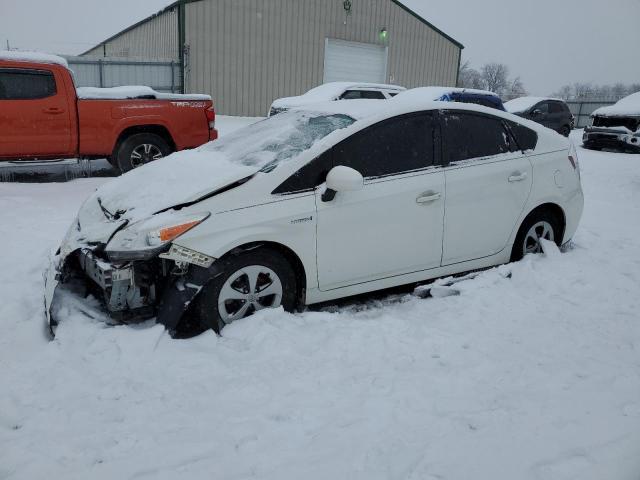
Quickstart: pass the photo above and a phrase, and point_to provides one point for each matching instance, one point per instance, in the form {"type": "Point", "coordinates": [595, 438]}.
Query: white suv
{"type": "Point", "coordinates": [316, 204]}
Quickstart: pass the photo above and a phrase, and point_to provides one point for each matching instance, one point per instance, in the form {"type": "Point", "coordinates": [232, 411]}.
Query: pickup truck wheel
{"type": "Point", "coordinates": [139, 149]}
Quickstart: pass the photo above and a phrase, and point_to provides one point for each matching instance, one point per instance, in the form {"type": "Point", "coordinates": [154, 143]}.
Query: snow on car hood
{"type": "Point", "coordinates": [187, 176]}
{"type": "Point", "coordinates": [627, 106]}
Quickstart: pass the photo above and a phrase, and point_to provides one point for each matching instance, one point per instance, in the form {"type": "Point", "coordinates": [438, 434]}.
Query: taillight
{"type": "Point", "coordinates": [211, 117]}
{"type": "Point", "coordinates": [573, 158]}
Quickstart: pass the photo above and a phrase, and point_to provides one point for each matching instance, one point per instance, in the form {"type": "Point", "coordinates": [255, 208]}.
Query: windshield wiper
{"type": "Point", "coordinates": [108, 214]}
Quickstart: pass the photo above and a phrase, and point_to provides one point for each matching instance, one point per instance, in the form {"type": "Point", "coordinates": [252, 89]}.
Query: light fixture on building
{"type": "Point", "coordinates": [384, 34]}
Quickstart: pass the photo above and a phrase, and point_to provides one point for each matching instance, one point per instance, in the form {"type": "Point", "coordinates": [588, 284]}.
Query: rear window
{"type": "Point", "coordinates": [23, 84]}
{"type": "Point", "coordinates": [526, 138]}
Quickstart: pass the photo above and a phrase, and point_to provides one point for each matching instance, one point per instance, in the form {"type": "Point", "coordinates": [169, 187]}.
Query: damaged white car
{"type": "Point", "coordinates": [314, 204]}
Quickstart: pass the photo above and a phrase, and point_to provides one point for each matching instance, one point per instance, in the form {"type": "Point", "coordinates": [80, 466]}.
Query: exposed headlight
{"type": "Point", "coordinates": [147, 238]}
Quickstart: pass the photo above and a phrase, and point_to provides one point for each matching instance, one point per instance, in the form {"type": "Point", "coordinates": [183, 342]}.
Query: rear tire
{"type": "Point", "coordinates": [138, 150]}
{"type": "Point", "coordinates": [236, 293]}
{"type": "Point", "coordinates": [539, 224]}
{"type": "Point", "coordinates": [566, 130]}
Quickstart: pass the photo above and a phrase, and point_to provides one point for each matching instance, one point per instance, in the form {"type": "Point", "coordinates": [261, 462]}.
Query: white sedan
{"type": "Point", "coordinates": [316, 204]}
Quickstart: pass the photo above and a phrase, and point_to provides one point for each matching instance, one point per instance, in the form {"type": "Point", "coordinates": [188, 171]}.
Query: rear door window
{"type": "Point", "coordinates": [25, 84]}
{"type": "Point", "coordinates": [358, 94]}
{"type": "Point", "coordinates": [555, 107]}
{"type": "Point", "coordinates": [393, 146]}
{"type": "Point", "coordinates": [469, 135]}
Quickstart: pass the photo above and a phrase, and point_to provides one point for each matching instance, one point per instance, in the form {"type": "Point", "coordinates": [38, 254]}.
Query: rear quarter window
{"type": "Point", "coordinates": [526, 138]}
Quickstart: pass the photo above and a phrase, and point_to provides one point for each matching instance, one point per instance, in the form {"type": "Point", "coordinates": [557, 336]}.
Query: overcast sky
{"type": "Point", "coordinates": [547, 42]}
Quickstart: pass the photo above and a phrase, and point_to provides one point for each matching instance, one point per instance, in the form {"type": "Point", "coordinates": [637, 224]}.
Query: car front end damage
{"type": "Point", "coordinates": [136, 272]}
{"type": "Point", "coordinates": [613, 132]}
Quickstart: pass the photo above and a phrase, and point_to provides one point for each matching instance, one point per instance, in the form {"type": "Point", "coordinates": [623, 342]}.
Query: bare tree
{"type": "Point", "coordinates": [514, 89]}
{"type": "Point", "coordinates": [469, 77]}
{"type": "Point", "coordinates": [565, 92]}
{"type": "Point", "coordinates": [496, 77]}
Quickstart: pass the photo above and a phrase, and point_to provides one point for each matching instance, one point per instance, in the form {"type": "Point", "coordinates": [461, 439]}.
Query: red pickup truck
{"type": "Point", "coordinates": [43, 116]}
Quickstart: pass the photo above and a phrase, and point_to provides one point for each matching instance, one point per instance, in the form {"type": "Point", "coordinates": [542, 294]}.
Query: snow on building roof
{"type": "Point", "coordinates": [35, 57]}
{"type": "Point", "coordinates": [629, 105]}
{"type": "Point", "coordinates": [522, 104]}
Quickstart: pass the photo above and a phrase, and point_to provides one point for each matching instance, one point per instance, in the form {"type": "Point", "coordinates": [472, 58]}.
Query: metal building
{"type": "Point", "coordinates": [246, 53]}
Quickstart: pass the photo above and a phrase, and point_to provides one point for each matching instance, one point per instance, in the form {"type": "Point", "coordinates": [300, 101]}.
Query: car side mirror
{"type": "Point", "coordinates": [536, 111]}
{"type": "Point", "coordinates": [342, 179]}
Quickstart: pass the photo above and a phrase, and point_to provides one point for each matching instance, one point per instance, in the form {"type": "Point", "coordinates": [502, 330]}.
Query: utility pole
{"type": "Point", "coordinates": [8, 46]}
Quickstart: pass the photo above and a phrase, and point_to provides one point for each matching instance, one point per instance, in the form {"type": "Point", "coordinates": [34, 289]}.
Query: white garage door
{"type": "Point", "coordinates": [357, 62]}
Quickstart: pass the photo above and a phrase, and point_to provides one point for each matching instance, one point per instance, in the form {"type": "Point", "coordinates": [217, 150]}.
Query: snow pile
{"type": "Point", "coordinates": [529, 372]}
{"type": "Point", "coordinates": [35, 57]}
{"type": "Point", "coordinates": [133, 92]}
{"type": "Point", "coordinates": [629, 105]}
{"type": "Point", "coordinates": [524, 104]}
{"type": "Point", "coordinates": [327, 92]}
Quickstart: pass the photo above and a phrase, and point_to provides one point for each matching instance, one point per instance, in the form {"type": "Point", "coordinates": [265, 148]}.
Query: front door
{"type": "Point", "coordinates": [488, 181]}
{"type": "Point", "coordinates": [392, 226]}
{"type": "Point", "coordinates": [34, 114]}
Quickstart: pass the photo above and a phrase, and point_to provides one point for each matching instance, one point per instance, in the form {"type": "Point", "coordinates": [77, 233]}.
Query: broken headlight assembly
{"type": "Point", "coordinates": [148, 238]}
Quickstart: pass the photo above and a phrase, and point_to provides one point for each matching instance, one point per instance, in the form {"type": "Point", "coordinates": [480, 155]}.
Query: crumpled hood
{"type": "Point", "coordinates": [179, 178]}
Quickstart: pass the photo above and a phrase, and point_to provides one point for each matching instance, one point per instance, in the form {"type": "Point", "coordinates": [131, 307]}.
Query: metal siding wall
{"type": "Point", "coordinates": [156, 39]}
{"type": "Point", "coordinates": [117, 72]}
{"type": "Point", "coordinates": [246, 53]}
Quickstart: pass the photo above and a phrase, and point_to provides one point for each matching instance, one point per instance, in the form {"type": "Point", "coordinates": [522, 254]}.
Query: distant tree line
{"type": "Point", "coordinates": [583, 91]}
{"type": "Point", "coordinates": [493, 77]}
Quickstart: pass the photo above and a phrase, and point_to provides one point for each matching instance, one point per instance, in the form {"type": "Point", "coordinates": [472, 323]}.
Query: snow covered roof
{"type": "Point", "coordinates": [629, 105]}
{"type": "Point", "coordinates": [523, 104]}
{"type": "Point", "coordinates": [330, 91]}
{"type": "Point", "coordinates": [133, 91]}
{"type": "Point", "coordinates": [35, 57]}
{"type": "Point", "coordinates": [436, 93]}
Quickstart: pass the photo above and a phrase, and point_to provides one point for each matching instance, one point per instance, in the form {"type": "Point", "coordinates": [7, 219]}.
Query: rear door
{"type": "Point", "coordinates": [34, 114]}
{"type": "Point", "coordinates": [488, 181]}
{"type": "Point", "coordinates": [392, 226]}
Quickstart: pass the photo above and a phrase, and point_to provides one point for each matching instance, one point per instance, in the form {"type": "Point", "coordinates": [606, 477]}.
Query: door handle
{"type": "Point", "coordinates": [518, 177]}
{"type": "Point", "coordinates": [53, 111]}
{"type": "Point", "coordinates": [428, 197]}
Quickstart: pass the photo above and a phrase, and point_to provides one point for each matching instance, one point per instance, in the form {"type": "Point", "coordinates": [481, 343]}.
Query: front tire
{"type": "Point", "coordinates": [541, 224]}
{"type": "Point", "coordinates": [140, 149]}
{"type": "Point", "coordinates": [250, 281]}
{"type": "Point", "coordinates": [566, 130]}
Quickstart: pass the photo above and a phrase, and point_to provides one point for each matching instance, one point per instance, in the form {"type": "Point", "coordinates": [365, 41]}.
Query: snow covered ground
{"type": "Point", "coordinates": [532, 375]}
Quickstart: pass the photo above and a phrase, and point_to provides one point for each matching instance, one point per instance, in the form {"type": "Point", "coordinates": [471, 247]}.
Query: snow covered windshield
{"type": "Point", "coordinates": [267, 143]}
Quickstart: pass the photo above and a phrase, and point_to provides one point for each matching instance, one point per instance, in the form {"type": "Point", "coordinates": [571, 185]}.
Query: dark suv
{"type": "Point", "coordinates": [553, 113]}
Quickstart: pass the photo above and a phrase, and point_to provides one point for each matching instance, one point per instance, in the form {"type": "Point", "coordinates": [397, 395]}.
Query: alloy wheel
{"type": "Point", "coordinates": [531, 244]}
{"type": "Point", "coordinates": [248, 290]}
{"type": "Point", "coordinates": [144, 153]}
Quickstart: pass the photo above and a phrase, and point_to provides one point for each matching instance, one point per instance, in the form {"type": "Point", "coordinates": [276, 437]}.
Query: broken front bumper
{"type": "Point", "coordinates": [51, 281]}
{"type": "Point", "coordinates": [129, 293]}
{"type": "Point", "coordinates": [610, 138]}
